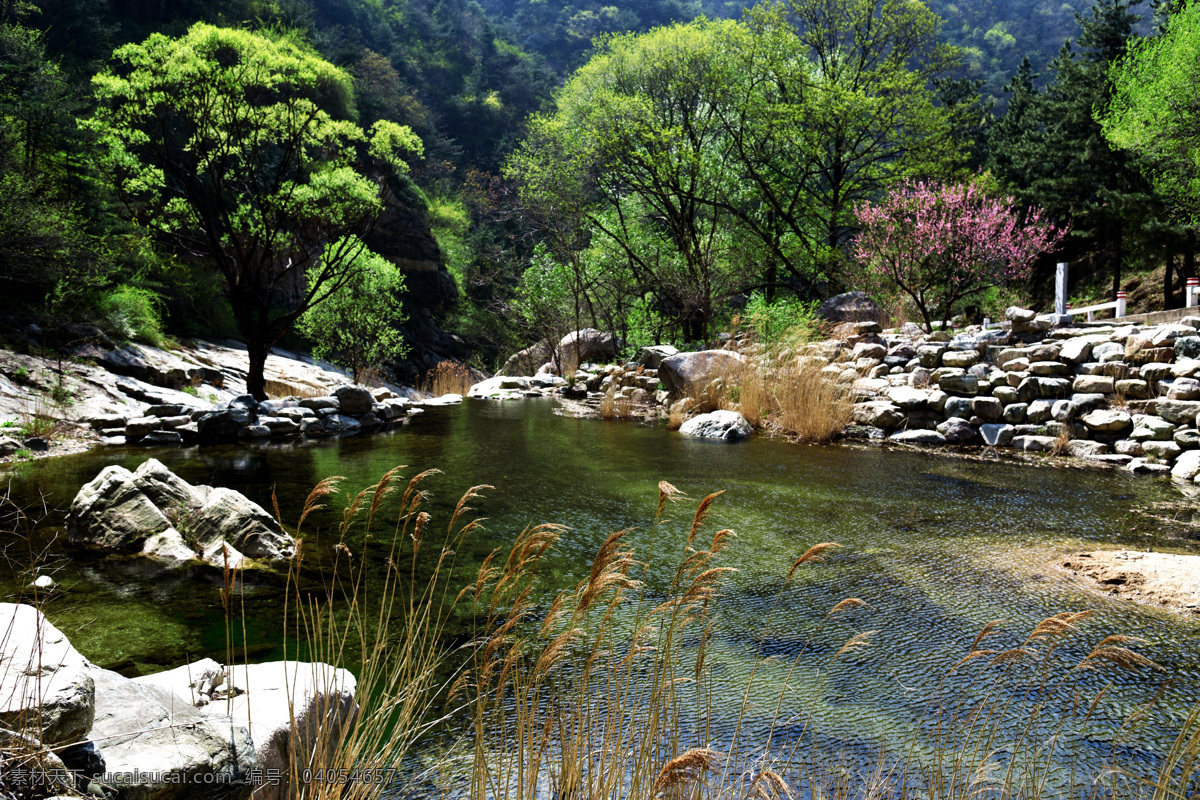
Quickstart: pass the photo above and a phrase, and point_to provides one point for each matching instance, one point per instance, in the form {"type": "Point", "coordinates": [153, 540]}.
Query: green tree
{"type": "Point", "coordinates": [835, 101]}
{"type": "Point", "coordinates": [357, 327]}
{"type": "Point", "coordinates": [635, 132]}
{"type": "Point", "coordinates": [1051, 151]}
{"type": "Point", "coordinates": [1155, 111]}
{"type": "Point", "coordinates": [236, 148]}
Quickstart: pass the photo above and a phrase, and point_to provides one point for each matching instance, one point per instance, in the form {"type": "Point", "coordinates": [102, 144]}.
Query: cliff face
{"type": "Point", "coordinates": [402, 235]}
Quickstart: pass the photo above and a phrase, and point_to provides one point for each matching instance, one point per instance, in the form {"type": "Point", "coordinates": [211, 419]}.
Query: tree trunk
{"type": "Point", "coordinates": [1168, 284]}
{"type": "Point", "coordinates": [256, 380]}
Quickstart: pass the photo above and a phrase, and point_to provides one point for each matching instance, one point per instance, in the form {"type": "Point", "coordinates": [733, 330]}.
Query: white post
{"type": "Point", "coordinates": [987, 323]}
{"type": "Point", "coordinates": [1060, 289]}
{"type": "Point", "coordinates": [1193, 289]}
{"type": "Point", "coordinates": [1121, 304]}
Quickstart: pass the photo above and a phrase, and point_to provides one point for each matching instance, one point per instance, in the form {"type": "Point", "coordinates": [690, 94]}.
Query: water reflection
{"type": "Point", "coordinates": [936, 547]}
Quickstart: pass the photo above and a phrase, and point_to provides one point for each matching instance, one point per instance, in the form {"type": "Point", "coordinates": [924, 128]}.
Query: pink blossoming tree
{"type": "Point", "coordinates": [941, 243]}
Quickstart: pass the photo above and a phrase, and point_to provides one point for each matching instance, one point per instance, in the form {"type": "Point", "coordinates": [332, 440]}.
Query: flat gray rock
{"type": "Point", "coordinates": [164, 747]}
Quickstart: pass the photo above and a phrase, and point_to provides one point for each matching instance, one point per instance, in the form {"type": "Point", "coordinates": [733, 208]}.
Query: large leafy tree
{"type": "Point", "coordinates": [236, 148]}
{"type": "Point", "coordinates": [635, 149]}
{"type": "Point", "coordinates": [1155, 110]}
{"type": "Point", "coordinates": [836, 101]}
{"type": "Point", "coordinates": [720, 156]}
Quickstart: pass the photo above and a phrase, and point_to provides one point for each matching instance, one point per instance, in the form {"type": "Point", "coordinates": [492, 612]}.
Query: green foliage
{"type": "Point", "coordinates": [693, 156]}
{"type": "Point", "coordinates": [1050, 150]}
{"type": "Point", "coordinates": [132, 312]}
{"type": "Point", "coordinates": [1155, 110]}
{"type": "Point", "coordinates": [356, 327]}
{"type": "Point", "coordinates": [450, 222]}
{"type": "Point", "coordinates": [770, 321]}
{"type": "Point", "coordinates": [633, 151]}
{"type": "Point", "coordinates": [643, 327]}
{"type": "Point", "coordinates": [235, 146]}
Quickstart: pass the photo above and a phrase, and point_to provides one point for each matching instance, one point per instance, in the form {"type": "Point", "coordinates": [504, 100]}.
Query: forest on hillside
{"type": "Point", "coordinates": [757, 131]}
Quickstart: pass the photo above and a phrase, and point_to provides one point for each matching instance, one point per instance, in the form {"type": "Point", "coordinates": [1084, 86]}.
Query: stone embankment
{"type": "Point", "coordinates": [202, 730]}
{"type": "Point", "coordinates": [1125, 395]}
{"type": "Point", "coordinates": [1109, 393]}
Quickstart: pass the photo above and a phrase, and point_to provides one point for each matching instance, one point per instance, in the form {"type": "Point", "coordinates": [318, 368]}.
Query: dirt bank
{"type": "Point", "coordinates": [1158, 579]}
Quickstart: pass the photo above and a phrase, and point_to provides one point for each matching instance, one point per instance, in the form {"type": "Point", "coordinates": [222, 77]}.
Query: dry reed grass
{"type": "Point", "coordinates": [607, 690]}
{"type": "Point", "coordinates": [1062, 442]}
{"type": "Point", "coordinates": [616, 406]}
{"type": "Point", "coordinates": [278, 389]}
{"type": "Point", "coordinates": [449, 377]}
{"type": "Point", "coordinates": [782, 391]}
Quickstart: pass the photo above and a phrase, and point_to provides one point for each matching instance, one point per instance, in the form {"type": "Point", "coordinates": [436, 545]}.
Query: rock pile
{"type": "Point", "coordinates": [162, 736]}
{"type": "Point", "coordinates": [348, 410]}
{"type": "Point", "coordinates": [1115, 393]}
{"type": "Point", "coordinates": [170, 523]}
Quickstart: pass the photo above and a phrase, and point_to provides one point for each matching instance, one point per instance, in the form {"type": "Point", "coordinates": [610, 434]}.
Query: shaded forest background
{"type": "Point", "coordinates": [466, 76]}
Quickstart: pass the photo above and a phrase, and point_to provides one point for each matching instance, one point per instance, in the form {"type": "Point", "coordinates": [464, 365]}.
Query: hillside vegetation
{"type": "Point", "coordinates": [647, 167]}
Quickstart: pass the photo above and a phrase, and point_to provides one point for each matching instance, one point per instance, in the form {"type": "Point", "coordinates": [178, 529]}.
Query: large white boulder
{"type": "Point", "coordinates": [46, 689]}
{"type": "Point", "coordinates": [292, 709]}
{"type": "Point", "coordinates": [157, 746]}
{"type": "Point", "coordinates": [588, 344]}
{"type": "Point", "coordinates": [170, 522]}
{"type": "Point", "coordinates": [722, 424]}
{"type": "Point", "coordinates": [111, 512]}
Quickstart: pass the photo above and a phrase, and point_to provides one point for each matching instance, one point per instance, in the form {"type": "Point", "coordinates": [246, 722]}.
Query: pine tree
{"type": "Point", "coordinates": [1051, 150]}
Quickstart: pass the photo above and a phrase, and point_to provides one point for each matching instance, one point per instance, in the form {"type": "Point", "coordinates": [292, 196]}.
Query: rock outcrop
{"type": "Point", "coordinates": [687, 372]}
{"type": "Point", "coordinates": [46, 688]}
{"type": "Point", "coordinates": [147, 734]}
{"type": "Point", "coordinates": [200, 731]}
{"type": "Point", "coordinates": [578, 347]}
{"type": "Point", "coordinates": [850, 307]}
{"type": "Point", "coordinates": [169, 522]}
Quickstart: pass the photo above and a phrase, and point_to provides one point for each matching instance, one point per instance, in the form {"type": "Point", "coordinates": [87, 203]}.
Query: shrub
{"type": "Point", "coordinates": [132, 312]}
{"type": "Point", "coordinates": [771, 321]}
{"type": "Point", "coordinates": [356, 326]}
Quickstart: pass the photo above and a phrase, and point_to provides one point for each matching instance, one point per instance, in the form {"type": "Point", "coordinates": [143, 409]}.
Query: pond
{"type": "Point", "coordinates": [938, 548]}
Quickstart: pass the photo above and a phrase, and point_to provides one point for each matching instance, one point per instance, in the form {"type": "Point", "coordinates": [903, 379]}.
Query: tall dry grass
{"type": "Point", "coordinates": [616, 406]}
{"type": "Point", "coordinates": [277, 388]}
{"type": "Point", "coordinates": [449, 377]}
{"type": "Point", "coordinates": [392, 636]}
{"type": "Point", "coordinates": [780, 390]}
{"type": "Point", "coordinates": [609, 688]}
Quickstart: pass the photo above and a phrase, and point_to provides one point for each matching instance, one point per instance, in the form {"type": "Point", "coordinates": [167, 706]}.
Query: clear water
{"type": "Point", "coordinates": [938, 547]}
